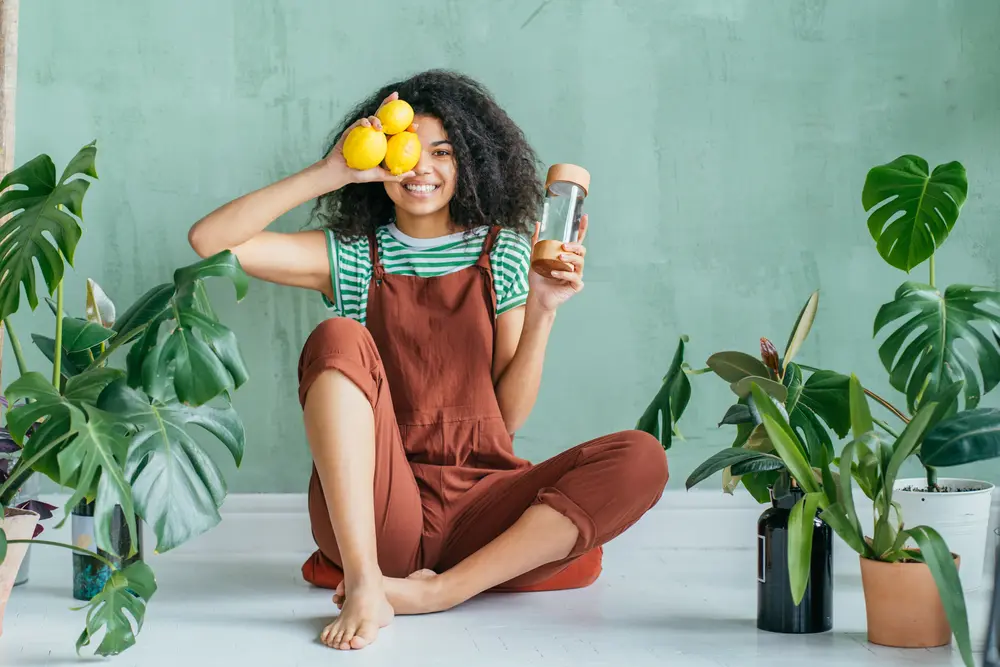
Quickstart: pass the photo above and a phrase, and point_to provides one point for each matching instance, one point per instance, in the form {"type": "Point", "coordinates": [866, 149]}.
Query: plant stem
{"type": "Point", "coordinates": [885, 427]}
{"type": "Point", "coordinates": [86, 552]}
{"type": "Point", "coordinates": [699, 371]}
{"type": "Point", "coordinates": [888, 406]}
{"type": "Point", "coordinates": [15, 343]}
{"type": "Point", "coordinates": [932, 478]}
{"type": "Point", "coordinates": [57, 353]}
{"type": "Point", "coordinates": [931, 267]}
{"type": "Point", "coordinates": [117, 342]}
{"type": "Point", "coordinates": [18, 471]}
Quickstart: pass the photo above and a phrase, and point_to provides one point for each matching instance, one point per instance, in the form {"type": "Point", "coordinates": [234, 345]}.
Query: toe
{"type": "Point", "coordinates": [365, 636]}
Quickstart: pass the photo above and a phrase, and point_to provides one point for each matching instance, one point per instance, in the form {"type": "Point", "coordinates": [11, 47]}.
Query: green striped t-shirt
{"type": "Point", "coordinates": [351, 266]}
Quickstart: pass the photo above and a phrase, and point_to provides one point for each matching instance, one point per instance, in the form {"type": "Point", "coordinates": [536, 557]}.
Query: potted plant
{"type": "Point", "coordinates": [938, 345]}
{"type": "Point", "coordinates": [118, 437]}
{"type": "Point", "coordinates": [26, 496]}
{"type": "Point", "coordinates": [816, 402]}
{"type": "Point", "coordinates": [913, 597]}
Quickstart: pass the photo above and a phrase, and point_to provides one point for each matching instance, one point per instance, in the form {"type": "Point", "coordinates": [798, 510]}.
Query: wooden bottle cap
{"type": "Point", "coordinates": [568, 173]}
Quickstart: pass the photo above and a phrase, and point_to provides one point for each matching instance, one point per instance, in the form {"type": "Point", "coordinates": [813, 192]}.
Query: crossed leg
{"type": "Point", "coordinates": [513, 528]}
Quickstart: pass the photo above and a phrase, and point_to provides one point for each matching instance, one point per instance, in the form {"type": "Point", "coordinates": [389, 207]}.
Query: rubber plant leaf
{"type": "Point", "coordinates": [730, 457]}
{"type": "Point", "coordinates": [733, 366]}
{"type": "Point", "coordinates": [803, 323]}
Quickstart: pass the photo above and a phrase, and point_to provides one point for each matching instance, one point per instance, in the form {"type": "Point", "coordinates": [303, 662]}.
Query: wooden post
{"type": "Point", "coordinates": [8, 89]}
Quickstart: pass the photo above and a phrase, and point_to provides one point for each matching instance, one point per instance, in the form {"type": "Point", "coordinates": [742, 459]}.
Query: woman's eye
{"type": "Point", "coordinates": [441, 153]}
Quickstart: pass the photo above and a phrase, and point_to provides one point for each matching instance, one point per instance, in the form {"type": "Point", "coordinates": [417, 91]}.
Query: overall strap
{"type": "Point", "coordinates": [491, 239]}
{"type": "Point", "coordinates": [378, 271]}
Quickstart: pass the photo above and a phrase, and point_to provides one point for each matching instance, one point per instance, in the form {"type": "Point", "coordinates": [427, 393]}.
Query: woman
{"type": "Point", "coordinates": [410, 397]}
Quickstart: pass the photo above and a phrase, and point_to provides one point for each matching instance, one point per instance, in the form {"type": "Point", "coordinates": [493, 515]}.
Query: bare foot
{"type": "Point", "coordinates": [419, 593]}
{"type": "Point", "coordinates": [360, 619]}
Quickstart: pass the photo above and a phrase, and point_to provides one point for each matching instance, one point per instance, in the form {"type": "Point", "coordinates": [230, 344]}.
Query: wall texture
{"type": "Point", "coordinates": [728, 141]}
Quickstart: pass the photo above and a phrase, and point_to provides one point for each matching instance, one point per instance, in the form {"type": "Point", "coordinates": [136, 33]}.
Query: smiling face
{"type": "Point", "coordinates": [431, 189]}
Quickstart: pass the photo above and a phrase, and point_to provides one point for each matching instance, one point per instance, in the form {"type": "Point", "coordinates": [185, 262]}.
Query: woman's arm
{"type": "Point", "coordinates": [523, 334]}
{"type": "Point", "coordinates": [297, 259]}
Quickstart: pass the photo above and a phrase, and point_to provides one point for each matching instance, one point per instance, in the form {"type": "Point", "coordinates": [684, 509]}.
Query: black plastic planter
{"type": "Point", "coordinates": [776, 611]}
{"type": "Point", "coordinates": [90, 574]}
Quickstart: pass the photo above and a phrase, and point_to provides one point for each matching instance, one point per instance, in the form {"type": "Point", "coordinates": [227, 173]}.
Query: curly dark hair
{"type": "Point", "coordinates": [497, 169]}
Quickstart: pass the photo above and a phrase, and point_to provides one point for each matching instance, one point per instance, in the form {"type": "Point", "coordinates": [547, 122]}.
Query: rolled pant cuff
{"type": "Point", "coordinates": [561, 503]}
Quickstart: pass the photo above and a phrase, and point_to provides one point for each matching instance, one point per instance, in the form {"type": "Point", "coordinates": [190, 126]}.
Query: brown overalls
{"type": "Point", "coordinates": [447, 481]}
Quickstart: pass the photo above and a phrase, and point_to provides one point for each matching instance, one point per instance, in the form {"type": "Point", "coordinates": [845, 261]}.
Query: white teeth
{"type": "Point", "coordinates": [421, 188]}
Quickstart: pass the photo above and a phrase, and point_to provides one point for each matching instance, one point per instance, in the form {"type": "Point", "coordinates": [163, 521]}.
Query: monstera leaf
{"type": "Point", "coordinates": [940, 339]}
{"type": "Point", "coordinates": [184, 349]}
{"type": "Point", "coordinates": [665, 410]}
{"type": "Point", "coordinates": [912, 211]}
{"type": "Point", "coordinates": [93, 460]}
{"type": "Point", "coordinates": [125, 595]}
{"type": "Point", "coordinates": [39, 208]}
{"type": "Point", "coordinates": [178, 488]}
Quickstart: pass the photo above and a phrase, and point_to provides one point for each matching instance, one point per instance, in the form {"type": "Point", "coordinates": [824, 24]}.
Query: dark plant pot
{"type": "Point", "coordinates": [776, 611]}
{"type": "Point", "coordinates": [90, 574]}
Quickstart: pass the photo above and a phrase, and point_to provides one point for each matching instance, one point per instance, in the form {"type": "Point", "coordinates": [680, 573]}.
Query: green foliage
{"type": "Point", "coordinates": [939, 339]}
{"type": "Point", "coordinates": [665, 410]}
{"type": "Point", "coordinates": [912, 211]}
{"type": "Point", "coordinates": [178, 488]}
{"type": "Point", "coordinates": [42, 210]}
{"type": "Point", "coordinates": [890, 535]}
{"type": "Point", "coordinates": [967, 437]}
{"type": "Point", "coordinates": [126, 594]}
{"type": "Point", "coordinates": [814, 405]}
{"type": "Point", "coordinates": [115, 436]}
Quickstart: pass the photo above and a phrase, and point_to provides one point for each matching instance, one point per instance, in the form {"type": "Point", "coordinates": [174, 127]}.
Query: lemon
{"type": "Point", "coordinates": [403, 153]}
{"type": "Point", "coordinates": [364, 148]}
{"type": "Point", "coordinates": [396, 116]}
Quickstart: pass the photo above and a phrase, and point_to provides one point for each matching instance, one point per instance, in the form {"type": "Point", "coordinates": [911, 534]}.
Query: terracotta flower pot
{"type": "Point", "coordinates": [903, 605]}
{"type": "Point", "coordinates": [18, 525]}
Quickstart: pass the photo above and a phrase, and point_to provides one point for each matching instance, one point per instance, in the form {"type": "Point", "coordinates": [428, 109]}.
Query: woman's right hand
{"type": "Point", "coordinates": [336, 164]}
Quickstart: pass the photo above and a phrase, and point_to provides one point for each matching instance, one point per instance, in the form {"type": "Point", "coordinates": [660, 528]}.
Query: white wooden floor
{"type": "Point", "coordinates": [652, 606]}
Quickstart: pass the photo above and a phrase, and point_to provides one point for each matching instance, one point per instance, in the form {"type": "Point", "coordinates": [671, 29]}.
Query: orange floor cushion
{"type": "Point", "coordinates": [320, 571]}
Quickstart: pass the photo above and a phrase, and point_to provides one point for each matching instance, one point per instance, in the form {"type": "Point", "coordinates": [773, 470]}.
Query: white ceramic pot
{"type": "Point", "coordinates": [962, 517]}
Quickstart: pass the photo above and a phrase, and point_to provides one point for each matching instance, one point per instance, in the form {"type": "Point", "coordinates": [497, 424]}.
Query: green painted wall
{"type": "Point", "coordinates": [728, 140]}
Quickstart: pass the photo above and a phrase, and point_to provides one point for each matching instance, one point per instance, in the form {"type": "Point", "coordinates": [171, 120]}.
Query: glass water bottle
{"type": "Point", "coordinates": [566, 189]}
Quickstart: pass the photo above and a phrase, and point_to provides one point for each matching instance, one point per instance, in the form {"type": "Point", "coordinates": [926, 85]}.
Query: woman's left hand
{"type": "Point", "coordinates": [550, 293]}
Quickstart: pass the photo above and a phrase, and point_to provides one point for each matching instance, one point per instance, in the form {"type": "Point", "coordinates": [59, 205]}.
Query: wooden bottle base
{"type": "Point", "coordinates": [545, 258]}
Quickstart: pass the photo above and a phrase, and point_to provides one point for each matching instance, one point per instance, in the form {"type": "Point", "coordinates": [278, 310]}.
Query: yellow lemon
{"type": "Point", "coordinates": [364, 148]}
{"type": "Point", "coordinates": [402, 153]}
{"type": "Point", "coordinates": [396, 116]}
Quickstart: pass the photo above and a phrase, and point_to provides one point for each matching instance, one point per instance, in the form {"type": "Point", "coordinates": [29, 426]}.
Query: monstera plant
{"type": "Point", "coordinates": [939, 345]}
{"type": "Point", "coordinates": [117, 437]}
